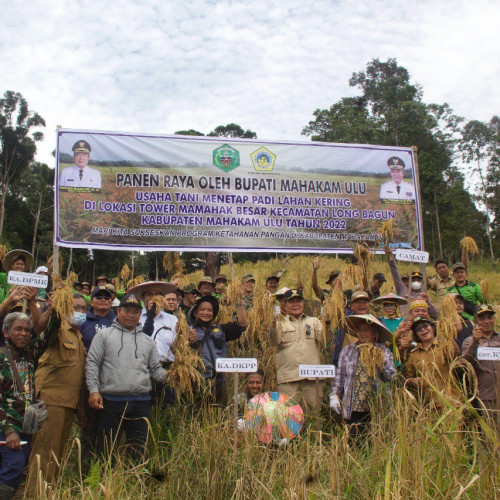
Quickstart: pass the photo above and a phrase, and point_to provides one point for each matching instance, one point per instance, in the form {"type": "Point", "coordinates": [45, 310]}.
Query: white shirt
{"type": "Point", "coordinates": [164, 333]}
{"type": "Point", "coordinates": [70, 177]}
{"type": "Point", "coordinates": [389, 191]}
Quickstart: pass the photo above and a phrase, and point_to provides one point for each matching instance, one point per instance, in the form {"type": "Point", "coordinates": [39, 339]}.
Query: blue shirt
{"type": "Point", "coordinates": [93, 324]}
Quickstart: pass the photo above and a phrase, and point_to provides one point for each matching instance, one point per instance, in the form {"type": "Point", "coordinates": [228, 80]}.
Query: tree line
{"type": "Point", "coordinates": [389, 110]}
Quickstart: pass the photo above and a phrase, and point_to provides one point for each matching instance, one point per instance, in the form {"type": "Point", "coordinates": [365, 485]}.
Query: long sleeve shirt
{"type": "Point", "coordinates": [343, 383]}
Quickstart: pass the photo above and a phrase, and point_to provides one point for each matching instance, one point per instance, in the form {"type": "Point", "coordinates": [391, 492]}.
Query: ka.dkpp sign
{"type": "Point", "coordinates": [27, 279]}
{"type": "Point", "coordinates": [316, 371]}
{"type": "Point", "coordinates": [236, 365]}
{"type": "Point", "coordinates": [488, 353]}
{"type": "Point", "coordinates": [152, 192]}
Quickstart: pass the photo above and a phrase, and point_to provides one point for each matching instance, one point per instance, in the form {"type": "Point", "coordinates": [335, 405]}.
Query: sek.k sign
{"type": "Point", "coordinates": [412, 256]}
{"type": "Point", "coordinates": [236, 365]}
{"type": "Point", "coordinates": [27, 279]}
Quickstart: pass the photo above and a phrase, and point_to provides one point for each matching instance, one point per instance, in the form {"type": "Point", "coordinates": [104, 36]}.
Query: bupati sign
{"type": "Point", "coordinates": [316, 371]}
{"type": "Point", "coordinates": [127, 191]}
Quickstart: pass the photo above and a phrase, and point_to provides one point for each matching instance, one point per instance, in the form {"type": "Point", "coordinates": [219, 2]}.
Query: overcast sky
{"type": "Point", "coordinates": [161, 66]}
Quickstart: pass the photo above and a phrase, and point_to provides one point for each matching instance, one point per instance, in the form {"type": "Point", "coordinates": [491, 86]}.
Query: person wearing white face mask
{"type": "Point", "coordinates": [59, 381]}
{"type": "Point", "coordinates": [414, 291]}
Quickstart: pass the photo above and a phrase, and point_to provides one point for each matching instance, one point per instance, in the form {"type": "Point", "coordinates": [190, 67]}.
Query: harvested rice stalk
{"type": "Point", "coordinates": [160, 302]}
{"type": "Point", "coordinates": [351, 276]}
{"type": "Point", "coordinates": [260, 317]}
{"type": "Point", "coordinates": [387, 230]}
{"type": "Point", "coordinates": [446, 328]}
{"type": "Point", "coordinates": [364, 257]}
{"type": "Point", "coordinates": [62, 300]}
{"type": "Point", "coordinates": [186, 370]}
{"type": "Point", "coordinates": [178, 265]}
{"type": "Point", "coordinates": [71, 279]}
{"type": "Point", "coordinates": [371, 358]}
{"type": "Point", "coordinates": [486, 290]}
{"type": "Point", "coordinates": [3, 251]}
{"type": "Point", "coordinates": [468, 246]}
{"type": "Point", "coordinates": [333, 312]}
{"type": "Point", "coordinates": [125, 273]}
{"type": "Point", "coordinates": [168, 261]}
{"type": "Point", "coordinates": [116, 283]}
{"type": "Point", "coordinates": [229, 302]}
{"type": "Point", "coordinates": [136, 281]}
{"type": "Point", "coordinates": [180, 279]}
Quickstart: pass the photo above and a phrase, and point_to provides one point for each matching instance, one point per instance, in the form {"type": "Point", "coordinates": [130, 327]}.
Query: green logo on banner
{"type": "Point", "coordinates": [226, 158]}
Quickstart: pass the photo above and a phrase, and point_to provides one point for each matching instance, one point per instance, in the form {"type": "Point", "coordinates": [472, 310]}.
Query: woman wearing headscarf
{"type": "Point", "coordinates": [211, 338]}
{"type": "Point", "coordinates": [364, 367]}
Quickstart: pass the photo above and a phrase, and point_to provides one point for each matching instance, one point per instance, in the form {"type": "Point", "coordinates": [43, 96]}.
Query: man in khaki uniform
{"type": "Point", "coordinates": [59, 380]}
{"type": "Point", "coordinates": [298, 341]}
{"type": "Point", "coordinates": [442, 281]}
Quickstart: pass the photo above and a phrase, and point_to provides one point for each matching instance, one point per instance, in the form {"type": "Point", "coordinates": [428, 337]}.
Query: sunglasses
{"type": "Point", "coordinates": [102, 297]}
{"type": "Point", "coordinates": [422, 326]}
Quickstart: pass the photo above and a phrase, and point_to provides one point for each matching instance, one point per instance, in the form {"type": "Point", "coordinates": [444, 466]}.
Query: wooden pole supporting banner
{"type": "Point", "coordinates": [422, 267]}
{"type": "Point", "coordinates": [235, 410]}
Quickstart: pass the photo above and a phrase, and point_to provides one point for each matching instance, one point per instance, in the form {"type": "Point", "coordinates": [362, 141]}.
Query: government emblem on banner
{"type": "Point", "coordinates": [263, 160]}
{"type": "Point", "coordinates": [226, 158]}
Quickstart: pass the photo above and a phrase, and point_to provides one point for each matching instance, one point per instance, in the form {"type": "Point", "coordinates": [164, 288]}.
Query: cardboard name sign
{"type": "Point", "coordinates": [412, 256]}
{"type": "Point", "coordinates": [27, 279]}
{"type": "Point", "coordinates": [488, 353]}
{"type": "Point", "coordinates": [236, 365]}
{"type": "Point", "coordinates": [316, 371]}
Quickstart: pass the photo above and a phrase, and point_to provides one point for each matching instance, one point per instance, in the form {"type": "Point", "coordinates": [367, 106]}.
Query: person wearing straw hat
{"type": "Point", "coordinates": [390, 306]}
{"type": "Point", "coordinates": [211, 339]}
{"type": "Point", "coordinates": [427, 369]}
{"type": "Point", "coordinates": [298, 340]}
{"type": "Point", "coordinates": [364, 367]}
{"type": "Point", "coordinates": [484, 335]}
{"type": "Point", "coordinates": [15, 260]}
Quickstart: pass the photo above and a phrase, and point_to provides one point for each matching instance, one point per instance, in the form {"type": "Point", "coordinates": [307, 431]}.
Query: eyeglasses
{"type": "Point", "coordinates": [422, 326]}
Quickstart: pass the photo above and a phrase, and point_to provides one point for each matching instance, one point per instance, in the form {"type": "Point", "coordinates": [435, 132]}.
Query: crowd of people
{"type": "Point", "coordinates": [107, 363]}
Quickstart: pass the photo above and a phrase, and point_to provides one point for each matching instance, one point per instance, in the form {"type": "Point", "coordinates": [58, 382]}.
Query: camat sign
{"type": "Point", "coordinates": [140, 191]}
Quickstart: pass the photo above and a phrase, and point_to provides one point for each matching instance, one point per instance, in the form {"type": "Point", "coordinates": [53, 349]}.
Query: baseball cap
{"type": "Point", "coordinates": [482, 309]}
{"type": "Point", "coordinates": [191, 288]}
{"type": "Point", "coordinates": [333, 275]}
{"type": "Point", "coordinates": [248, 277]}
{"type": "Point", "coordinates": [379, 276]}
{"type": "Point", "coordinates": [416, 274]}
{"type": "Point", "coordinates": [290, 294]}
{"type": "Point", "coordinates": [359, 295]}
{"type": "Point", "coordinates": [220, 277]}
{"type": "Point", "coordinates": [281, 292]}
{"type": "Point", "coordinates": [421, 319]}
{"type": "Point", "coordinates": [206, 279]}
{"type": "Point", "coordinates": [130, 300]}
{"type": "Point", "coordinates": [459, 265]}
{"type": "Point", "coordinates": [100, 289]}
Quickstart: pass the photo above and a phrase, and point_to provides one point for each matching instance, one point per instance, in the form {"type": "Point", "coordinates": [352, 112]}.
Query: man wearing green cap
{"type": "Point", "coordinates": [396, 189]}
{"type": "Point", "coordinates": [80, 175]}
{"type": "Point", "coordinates": [470, 292]}
{"type": "Point", "coordinates": [248, 285]}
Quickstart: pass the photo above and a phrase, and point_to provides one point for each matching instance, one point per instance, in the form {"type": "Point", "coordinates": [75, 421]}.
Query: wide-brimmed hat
{"type": "Point", "coordinates": [149, 286]}
{"type": "Point", "coordinates": [207, 298]}
{"type": "Point", "coordinates": [390, 297]}
{"type": "Point", "coordinates": [13, 255]}
{"type": "Point", "coordinates": [384, 334]}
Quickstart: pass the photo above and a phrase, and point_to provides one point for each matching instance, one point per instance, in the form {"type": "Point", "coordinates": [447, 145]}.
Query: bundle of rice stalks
{"type": "Point", "coordinates": [446, 328]}
{"type": "Point", "coordinates": [229, 302]}
{"type": "Point", "coordinates": [364, 258]}
{"type": "Point", "coordinates": [486, 290]}
{"type": "Point", "coordinates": [387, 230]}
{"type": "Point", "coordinates": [116, 283]}
{"type": "Point", "coordinates": [351, 276]}
{"type": "Point", "coordinates": [468, 246]}
{"type": "Point", "coordinates": [125, 273]}
{"type": "Point", "coordinates": [260, 317]}
{"type": "Point", "coordinates": [371, 358]}
{"type": "Point", "coordinates": [168, 261]}
{"type": "Point", "coordinates": [62, 300]}
{"type": "Point", "coordinates": [71, 279]}
{"type": "Point", "coordinates": [136, 281]}
{"type": "Point", "coordinates": [160, 303]}
{"type": "Point", "coordinates": [3, 251]}
{"type": "Point", "coordinates": [186, 370]}
{"type": "Point", "coordinates": [180, 279]}
{"type": "Point", "coordinates": [333, 312]}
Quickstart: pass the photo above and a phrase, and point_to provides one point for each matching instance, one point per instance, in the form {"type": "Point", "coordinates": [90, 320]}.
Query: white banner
{"type": "Point", "coordinates": [236, 365]}
{"type": "Point", "coordinates": [27, 279]}
{"type": "Point", "coordinates": [488, 353]}
{"type": "Point", "coordinates": [316, 371]}
{"type": "Point", "coordinates": [412, 256]}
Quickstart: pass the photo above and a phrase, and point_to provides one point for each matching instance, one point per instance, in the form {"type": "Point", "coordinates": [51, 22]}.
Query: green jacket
{"type": "Point", "coordinates": [470, 291]}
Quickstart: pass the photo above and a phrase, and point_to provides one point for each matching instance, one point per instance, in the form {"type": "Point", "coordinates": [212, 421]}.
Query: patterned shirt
{"type": "Point", "coordinates": [343, 382]}
{"type": "Point", "coordinates": [12, 402]}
